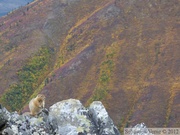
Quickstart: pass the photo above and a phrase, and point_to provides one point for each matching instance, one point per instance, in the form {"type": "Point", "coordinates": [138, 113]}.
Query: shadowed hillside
{"type": "Point", "coordinates": [124, 53]}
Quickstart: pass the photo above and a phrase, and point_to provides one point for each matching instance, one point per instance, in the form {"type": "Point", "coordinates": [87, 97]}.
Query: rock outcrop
{"type": "Point", "coordinates": [140, 129]}
{"type": "Point", "coordinates": [68, 117]}
{"type": "Point", "coordinates": [4, 117]}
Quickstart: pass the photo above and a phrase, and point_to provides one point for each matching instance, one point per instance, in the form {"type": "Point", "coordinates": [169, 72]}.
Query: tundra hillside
{"type": "Point", "coordinates": [124, 53]}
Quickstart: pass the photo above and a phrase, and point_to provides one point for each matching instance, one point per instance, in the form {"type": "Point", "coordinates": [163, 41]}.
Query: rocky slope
{"type": "Point", "coordinates": [124, 53]}
{"type": "Point", "coordinates": [67, 117]}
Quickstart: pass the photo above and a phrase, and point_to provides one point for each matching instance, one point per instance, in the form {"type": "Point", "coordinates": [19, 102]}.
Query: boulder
{"type": "Point", "coordinates": [103, 123]}
{"type": "Point", "coordinates": [4, 117]}
{"type": "Point", "coordinates": [68, 117]}
{"type": "Point", "coordinates": [140, 129]}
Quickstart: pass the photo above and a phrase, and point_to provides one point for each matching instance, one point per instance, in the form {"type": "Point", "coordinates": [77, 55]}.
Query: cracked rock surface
{"type": "Point", "coordinates": [68, 117]}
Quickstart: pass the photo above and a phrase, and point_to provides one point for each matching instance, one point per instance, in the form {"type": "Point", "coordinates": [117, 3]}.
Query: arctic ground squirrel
{"type": "Point", "coordinates": [36, 105]}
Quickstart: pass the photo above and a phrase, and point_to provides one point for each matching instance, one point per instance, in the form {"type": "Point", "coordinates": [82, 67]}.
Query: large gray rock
{"type": "Point", "coordinates": [26, 125]}
{"type": "Point", "coordinates": [68, 117]}
{"type": "Point", "coordinates": [73, 118]}
{"type": "Point", "coordinates": [140, 129]}
{"type": "Point", "coordinates": [102, 120]}
{"type": "Point", "coordinates": [4, 116]}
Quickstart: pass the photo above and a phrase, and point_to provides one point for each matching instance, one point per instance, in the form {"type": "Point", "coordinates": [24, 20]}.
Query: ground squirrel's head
{"type": "Point", "coordinates": [40, 98]}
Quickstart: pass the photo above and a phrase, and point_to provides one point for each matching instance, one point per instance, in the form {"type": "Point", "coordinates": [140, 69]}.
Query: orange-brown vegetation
{"type": "Point", "coordinates": [124, 53]}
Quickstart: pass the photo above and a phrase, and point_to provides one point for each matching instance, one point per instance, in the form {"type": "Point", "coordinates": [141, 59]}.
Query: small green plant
{"type": "Point", "coordinates": [99, 94]}
{"type": "Point", "coordinates": [157, 52]}
{"type": "Point", "coordinates": [46, 81]}
{"type": "Point", "coordinates": [9, 47]}
{"type": "Point", "coordinates": [71, 47]}
{"type": "Point", "coordinates": [104, 78]}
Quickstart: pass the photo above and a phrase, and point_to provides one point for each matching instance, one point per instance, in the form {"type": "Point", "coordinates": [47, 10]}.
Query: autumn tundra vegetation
{"type": "Point", "coordinates": [124, 53]}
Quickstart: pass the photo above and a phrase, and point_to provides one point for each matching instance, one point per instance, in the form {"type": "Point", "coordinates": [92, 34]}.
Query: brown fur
{"type": "Point", "coordinates": [37, 104]}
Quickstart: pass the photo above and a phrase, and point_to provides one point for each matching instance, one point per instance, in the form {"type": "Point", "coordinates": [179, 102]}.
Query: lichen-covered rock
{"type": "Point", "coordinates": [140, 129]}
{"type": "Point", "coordinates": [4, 116]}
{"type": "Point", "coordinates": [26, 125]}
{"type": "Point", "coordinates": [102, 120]}
{"type": "Point", "coordinates": [68, 117]}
